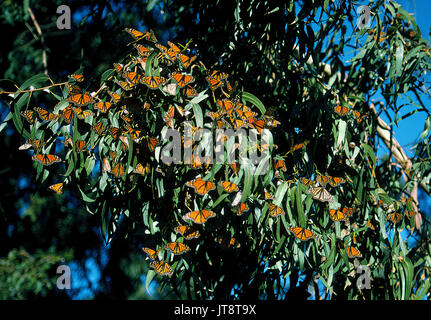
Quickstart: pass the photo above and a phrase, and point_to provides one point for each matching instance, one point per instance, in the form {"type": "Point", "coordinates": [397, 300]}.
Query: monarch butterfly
{"type": "Point", "coordinates": [228, 242]}
{"type": "Point", "coordinates": [190, 92]}
{"type": "Point", "coordinates": [198, 162]}
{"type": "Point", "coordinates": [272, 123]}
{"type": "Point", "coordinates": [341, 110]}
{"type": "Point", "coordinates": [244, 112]}
{"type": "Point", "coordinates": [80, 145]}
{"type": "Point", "coordinates": [153, 82]}
{"type": "Point", "coordinates": [323, 180]}
{"type": "Point", "coordinates": [80, 99]}
{"type": "Point", "coordinates": [138, 35]}
{"type": "Point", "coordinates": [103, 107]}
{"type": "Point", "coordinates": [369, 225]}
{"type": "Point", "coordinates": [275, 211]}
{"type": "Point", "coordinates": [115, 96]}
{"type": "Point", "coordinates": [299, 146]}
{"type": "Point", "coordinates": [126, 85]}
{"type": "Point", "coordinates": [228, 186]}
{"type": "Point", "coordinates": [82, 114]}
{"type": "Point", "coordinates": [77, 77]}
{"type": "Point", "coordinates": [213, 115]}
{"type": "Point", "coordinates": [36, 144]}
{"type": "Point", "coordinates": [99, 128]}
{"type": "Point", "coordinates": [57, 187]}
{"type": "Point", "coordinates": [113, 155]}
{"type": "Point", "coordinates": [359, 116]}
{"type": "Point", "coordinates": [199, 216]}
{"type": "Point", "coordinates": [152, 254]}
{"type": "Point", "coordinates": [214, 83]}
{"type": "Point", "coordinates": [336, 181]}
{"type": "Point", "coordinates": [268, 196]}
{"type": "Point", "coordinates": [280, 164]}
{"type": "Point", "coordinates": [170, 115]}
{"type": "Point", "coordinates": [115, 132]}
{"type": "Point", "coordinates": [238, 123]}
{"type": "Point", "coordinates": [118, 170]}
{"type": "Point", "coordinates": [119, 68]}
{"type": "Point", "coordinates": [46, 115]}
{"type": "Point", "coordinates": [177, 247]}
{"type": "Point", "coordinates": [124, 142]}
{"type": "Point", "coordinates": [143, 50]}
{"type": "Point", "coordinates": [68, 114]}
{"type": "Point", "coordinates": [182, 79]}
{"type": "Point", "coordinates": [151, 143]}
{"type": "Point", "coordinates": [106, 166]}
{"type": "Point", "coordinates": [140, 169]}
{"type": "Point", "coordinates": [226, 106]}
{"type": "Point", "coordinates": [132, 77]}
{"type": "Point", "coordinates": [321, 194]}
{"type": "Point", "coordinates": [235, 167]}
{"type": "Point", "coordinates": [337, 215]}
{"type": "Point", "coordinates": [256, 124]}
{"type": "Point", "coordinates": [347, 212]}
{"type": "Point", "coordinates": [395, 217]}
{"type": "Point", "coordinates": [242, 207]}
{"type": "Point", "coordinates": [161, 268]}
{"type": "Point", "coordinates": [302, 234]}
{"type": "Point", "coordinates": [187, 232]}
{"type": "Point", "coordinates": [28, 115]}
{"type": "Point", "coordinates": [410, 213]}
{"type": "Point", "coordinates": [219, 75]}
{"type": "Point", "coordinates": [186, 61]}
{"type": "Point", "coordinates": [46, 159]}
{"type": "Point", "coordinates": [352, 252]}
{"type": "Point", "coordinates": [307, 182]}
{"type": "Point", "coordinates": [201, 187]}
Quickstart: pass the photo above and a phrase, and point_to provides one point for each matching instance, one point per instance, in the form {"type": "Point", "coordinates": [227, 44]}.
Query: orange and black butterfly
{"type": "Point", "coordinates": [153, 82]}
{"type": "Point", "coordinates": [219, 75]}
{"type": "Point", "coordinates": [307, 182]}
{"type": "Point", "coordinates": [323, 180]}
{"type": "Point", "coordinates": [177, 247]}
{"type": "Point", "coordinates": [320, 193]}
{"type": "Point", "coordinates": [31, 143]}
{"type": "Point", "coordinates": [337, 215]}
{"type": "Point", "coordinates": [395, 217]}
{"type": "Point", "coordinates": [77, 77]}
{"type": "Point", "coordinates": [214, 83]}
{"type": "Point", "coordinates": [80, 145]}
{"type": "Point", "coordinates": [143, 50]}
{"type": "Point", "coordinates": [126, 85]}
{"type": "Point", "coordinates": [119, 68]}
{"type": "Point", "coordinates": [99, 128]}
{"type": "Point", "coordinates": [199, 216]}
{"type": "Point", "coordinates": [132, 77]}
{"type": "Point", "coordinates": [244, 112]}
{"type": "Point", "coordinates": [352, 252]}
{"type": "Point", "coordinates": [140, 169]}
{"type": "Point", "coordinates": [161, 268]}
{"type": "Point", "coordinates": [302, 234]}
{"type": "Point", "coordinates": [275, 211]}
{"type": "Point", "coordinates": [228, 186]}
{"type": "Point", "coordinates": [46, 159]}
{"type": "Point", "coordinates": [152, 254]}
{"type": "Point", "coordinates": [115, 96]}
{"type": "Point", "coordinates": [256, 124]}
{"type": "Point", "coordinates": [46, 115]}
{"type": "Point", "coordinates": [186, 61]}
{"type": "Point", "coordinates": [226, 106]}
{"type": "Point", "coordinates": [201, 187]}
{"type": "Point", "coordinates": [359, 116]}
{"type": "Point", "coordinates": [118, 170]}
{"type": "Point", "coordinates": [79, 98]}
{"type": "Point", "coordinates": [57, 187]}
{"type": "Point", "coordinates": [268, 196]}
{"type": "Point", "coordinates": [103, 107]}
{"type": "Point", "coordinates": [189, 92]}
{"type": "Point", "coordinates": [280, 164]}
{"type": "Point", "coordinates": [28, 115]}
{"type": "Point", "coordinates": [151, 143]}
{"type": "Point", "coordinates": [235, 167]}
{"type": "Point", "coordinates": [106, 166]}
{"type": "Point", "coordinates": [172, 112]}
{"type": "Point", "coordinates": [138, 35]}
{"type": "Point", "coordinates": [187, 232]}
{"type": "Point", "coordinates": [299, 146]}
{"type": "Point", "coordinates": [115, 132]}
{"type": "Point", "coordinates": [241, 208]}
{"type": "Point", "coordinates": [68, 114]}
{"type": "Point", "coordinates": [82, 114]}
{"type": "Point", "coordinates": [182, 79]}
{"type": "Point", "coordinates": [336, 181]}
{"type": "Point", "coordinates": [228, 242]}
{"type": "Point", "coordinates": [341, 110]}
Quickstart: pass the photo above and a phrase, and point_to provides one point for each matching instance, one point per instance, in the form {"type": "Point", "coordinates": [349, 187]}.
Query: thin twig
{"type": "Point", "coordinates": [42, 40]}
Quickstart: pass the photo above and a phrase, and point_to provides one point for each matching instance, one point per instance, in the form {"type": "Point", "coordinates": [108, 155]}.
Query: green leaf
{"type": "Point", "coordinates": [34, 80]}
{"type": "Point", "coordinates": [248, 97]}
